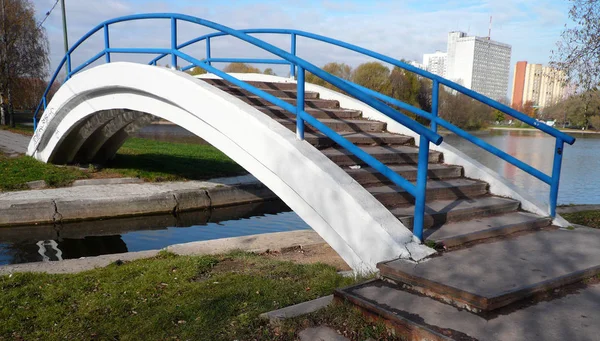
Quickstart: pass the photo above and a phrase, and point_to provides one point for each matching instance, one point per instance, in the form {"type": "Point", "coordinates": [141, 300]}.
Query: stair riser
{"type": "Point", "coordinates": [324, 142]}
{"type": "Point", "coordinates": [370, 178]}
{"type": "Point", "coordinates": [493, 233]}
{"type": "Point", "coordinates": [277, 93]}
{"type": "Point", "coordinates": [438, 219]}
{"type": "Point", "coordinates": [340, 126]}
{"type": "Point", "coordinates": [278, 86]}
{"type": "Point", "coordinates": [391, 158]}
{"type": "Point", "coordinates": [281, 113]}
{"type": "Point", "coordinates": [397, 199]}
{"type": "Point", "coordinates": [309, 103]}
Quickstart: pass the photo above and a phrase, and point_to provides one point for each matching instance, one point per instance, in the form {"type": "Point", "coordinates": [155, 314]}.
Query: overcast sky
{"type": "Point", "coordinates": [400, 29]}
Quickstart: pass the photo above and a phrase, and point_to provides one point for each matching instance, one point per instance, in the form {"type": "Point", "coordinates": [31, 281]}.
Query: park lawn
{"type": "Point", "coordinates": [586, 218]}
{"type": "Point", "coordinates": [165, 161]}
{"type": "Point", "coordinates": [173, 297]}
{"type": "Point", "coordinates": [16, 172]}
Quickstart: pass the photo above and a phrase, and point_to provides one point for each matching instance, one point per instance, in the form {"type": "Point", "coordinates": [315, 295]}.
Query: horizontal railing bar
{"type": "Point", "coordinates": [247, 60]}
{"type": "Point", "coordinates": [340, 140]}
{"type": "Point", "coordinates": [87, 63]}
{"type": "Point", "coordinates": [479, 97]}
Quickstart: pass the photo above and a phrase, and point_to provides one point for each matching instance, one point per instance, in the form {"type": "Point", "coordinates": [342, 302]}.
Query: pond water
{"type": "Point", "coordinates": [86, 239]}
{"type": "Point", "coordinates": [580, 175]}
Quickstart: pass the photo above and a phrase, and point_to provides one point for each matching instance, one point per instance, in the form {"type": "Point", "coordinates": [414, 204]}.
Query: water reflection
{"type": "Point", "coordinates": [580, 178]}
{"type": "Point", "coordinates": [86, 239]}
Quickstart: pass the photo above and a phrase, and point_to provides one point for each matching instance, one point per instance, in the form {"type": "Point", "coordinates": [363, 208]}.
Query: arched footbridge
{"type": "Point", "coordinates": [373, 182]}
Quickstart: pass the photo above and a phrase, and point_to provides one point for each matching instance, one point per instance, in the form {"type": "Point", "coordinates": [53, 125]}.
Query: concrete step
{"type": "Point", "coordinates": [386, 154]}
{"type": "Point", "coordinates": [441, 212]}
{"type": "Point", "coordinates": [338, 125]}
{"type": "Point", "coordinates": [393, 196]}
{"type": "Point", "coordinates": [278, 112]}
{"type": "Point", "coordinates": [360, 138]}
{"type": "Point", "coordinates": [460, 233]}
{"type": "Point", "coordinates": [368, 176]}
{"type": "Point", "coordinates": [492, 275]}
{"type": "Point", "coordinates": [237, 91]}
{"type": "Point", "coordinates": [568, 315]}
{"type": "Point", "coordinates": [309, 103]}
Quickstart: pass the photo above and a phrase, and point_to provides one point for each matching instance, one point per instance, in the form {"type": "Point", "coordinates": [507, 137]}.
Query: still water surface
{"type": "Point", "coordinates": [580, 176]}
{"type": "Point", "coordinates": [86, 239]}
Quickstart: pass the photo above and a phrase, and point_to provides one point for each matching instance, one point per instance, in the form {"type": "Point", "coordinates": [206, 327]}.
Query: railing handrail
{"type": "Point", "coordinates": [385, 109]}
{"type": "Point", "coordinates": [455, 86]}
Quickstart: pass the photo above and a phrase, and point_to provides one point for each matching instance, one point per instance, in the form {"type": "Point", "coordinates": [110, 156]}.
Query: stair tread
{"type": "Point", "coordinates": [309, 110]}
{"type": "Point", "coordinates": [457, 233]}
{"type": "Point", "coordinates": [431, 184]}
{"type": "Point", "coordinates": [446, 206]}
{"type": "Point", "coordinates": [491, 275]}
{"type": "Point", "coordinates": [328, 120]}
{"type": "Point", "coordinates": [374, 150]}
{"type": "Point", "coordinates": [350, 134]}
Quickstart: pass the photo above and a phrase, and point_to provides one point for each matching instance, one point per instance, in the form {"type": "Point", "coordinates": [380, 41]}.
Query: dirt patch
{"type": "Point", "coordinates": [316, 253]}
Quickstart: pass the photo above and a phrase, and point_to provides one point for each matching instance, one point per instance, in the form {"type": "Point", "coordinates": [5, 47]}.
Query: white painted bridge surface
{"type": "Point", "coordinates": [95, 109]}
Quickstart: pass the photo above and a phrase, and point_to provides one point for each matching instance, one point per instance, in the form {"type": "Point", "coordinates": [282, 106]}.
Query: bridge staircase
{"type": "Point", "coordinates": [459, 209]}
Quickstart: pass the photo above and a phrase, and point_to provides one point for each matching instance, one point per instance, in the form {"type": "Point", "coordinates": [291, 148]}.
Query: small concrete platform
{"type": "Point", "coordinates": [491, 275]}
{"type": "Point", "coordinates": [458, 233]}
{"type": "Point", "coordinates": [573, 316]}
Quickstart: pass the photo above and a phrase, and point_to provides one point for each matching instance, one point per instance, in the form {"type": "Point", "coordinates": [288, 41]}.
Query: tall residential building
{"type": "Point", "coordinates": [541, 85]}
{"type": "Point", "coordinates": [479, 64]}
{"type": "Point", "coordinates": [436, 63]}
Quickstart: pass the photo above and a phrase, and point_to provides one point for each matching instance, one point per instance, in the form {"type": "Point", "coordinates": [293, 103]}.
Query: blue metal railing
{"type": "Point", "coordinates": [299, 67]}
{"type": "Point", "coordinates": [436, 121]}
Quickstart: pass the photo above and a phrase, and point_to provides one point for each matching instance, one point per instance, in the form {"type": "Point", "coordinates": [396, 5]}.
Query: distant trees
{"type": "Point", "coordinates": [196, 71]}
{"type": "Point", "coordinates": [23, 56]}
{"type": "Point", "coordinates": [340, 70]}
{"type": "Point", "coordinates": [240, 68]}
{"type": "Point", "coordinates": [578, 52]}
{"type": "Point", "coordinates": [582, 110]}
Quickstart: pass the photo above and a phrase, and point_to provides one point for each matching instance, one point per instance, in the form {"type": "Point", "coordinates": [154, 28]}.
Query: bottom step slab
{"type": "Point", "coordinates": [492, 275]}
{"type": "Point", "coordinates": [573, 316]}
{"type": "Point", "coordinates": [462, 232]}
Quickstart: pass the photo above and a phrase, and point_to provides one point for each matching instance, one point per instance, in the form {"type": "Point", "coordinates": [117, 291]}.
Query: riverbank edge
{"type": "Point", "coordinates": [260, 243]}
{"type": "Point", "coordinates": [92, 202]}
{"type": "Point", "coordinates": [533, 129]}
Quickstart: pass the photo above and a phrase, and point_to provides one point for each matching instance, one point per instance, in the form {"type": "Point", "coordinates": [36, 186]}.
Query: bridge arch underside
{"type": "Point", "coordinates": [92, 114]}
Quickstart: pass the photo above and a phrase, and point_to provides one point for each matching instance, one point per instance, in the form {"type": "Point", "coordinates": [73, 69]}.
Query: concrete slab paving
{"type": "Point", "coordinates": [572, 317]}
{"type": "Point", "coordinates": [114, 200]}
{"type": "Point", "coordinates": [321, 333]}
{"type": "Point", "coordinates": [490, 275]}
{"type": "Point", "coordinates": [13, 143]}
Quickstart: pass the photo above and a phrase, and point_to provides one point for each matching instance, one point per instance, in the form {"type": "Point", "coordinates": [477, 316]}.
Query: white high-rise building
{"type": "Point", "coordinates": [479, 64]}
{"type": "Point", "coordinates": [436, 63]}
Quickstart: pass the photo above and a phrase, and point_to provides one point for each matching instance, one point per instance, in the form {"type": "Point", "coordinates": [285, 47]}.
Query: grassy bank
{"type": "Point", "coordinates": [175, 298]}
{"type": "Point", "coordinates": [163, 161]}
{"type": "Point", "coordinates": [16, 172]}
{"type": "Point", "coordinates": [142, 158]}
{"type": "Point", "coordinates": [586, 218]}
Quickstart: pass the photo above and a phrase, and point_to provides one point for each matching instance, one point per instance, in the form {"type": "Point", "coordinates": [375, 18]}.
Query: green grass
{"type": "Point", "coordinates": [173, 298]}
{"type": "Point", "coordinates": [586, 218]}
{"type": "Point", "coordinates": [15, 172]}
{"type": "Point", "coordinates": [163, 161]}
{"type": "Point", "coordinates": [20, 129]}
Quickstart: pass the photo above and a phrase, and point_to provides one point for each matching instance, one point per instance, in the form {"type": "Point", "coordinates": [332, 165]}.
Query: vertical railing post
{"type": "Point", "coordinates": [68, 66]}
{"type": "Point", "coordinates": [293, 52]}
{"type": "Point", "coordinates": [435, 97]}
{"type": "Point", "coordinates": [300, 104]}
{"type": "Point", "coordinates": [44, 102]}
{"type": "Point", "coordinates": [106, 43]}
{"type": "Point", "coordinates": [208, 51]}
{"type": "Point", "coordinates": [558, 154]}
{"type": "Point", "coordinates": [422, 169]}
{"type": "Point", "coordinates": [174, 43]}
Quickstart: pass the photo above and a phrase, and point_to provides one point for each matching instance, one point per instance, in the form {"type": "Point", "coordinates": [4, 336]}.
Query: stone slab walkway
{"type": "Point", "coordinates": [11, 143]}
